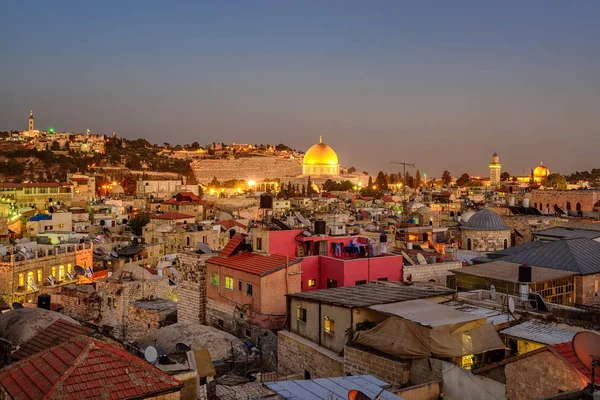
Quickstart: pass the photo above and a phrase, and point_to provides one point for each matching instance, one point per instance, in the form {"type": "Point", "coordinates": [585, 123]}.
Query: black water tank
{"type": "Point", "coordinates": [266, 201]}
{"type": "Point", "coordinates": [44, 301]}
{"type": "Point", "coordinates": [524, 273]}
{"type": "Point", "coordinates": [383, 238]}
{"type": "Point", "coordinates": [320, 227]}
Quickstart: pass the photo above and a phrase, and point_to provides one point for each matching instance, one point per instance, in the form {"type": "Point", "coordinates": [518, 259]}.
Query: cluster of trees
{"type": "Point", "coordinates": [465, 181]}
{"type": "Point", "coordinates": [332, 186]}
{"type": "Point", "coordinates": [288, 190]}
{"type": "Point", "coordinates": [592, 176]}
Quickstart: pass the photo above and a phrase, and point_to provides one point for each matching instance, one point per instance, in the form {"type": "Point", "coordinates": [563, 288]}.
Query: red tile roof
{"type": "Point", "coordinates": [387, 199]}
{"type": "Point", "coordinates": [232, 246]}
{"type": "Point", "coordinates": [58, 332]}
{"type": "Point", "coordinates": [84, 368]}
{"type": "Point", "coordinates": [254, 263]}
{"type": "Point", "coordinates": [229, 223]}
{"type": "Point", "coordinates": [565, 350]}
{"type": "Point", "coordinates": [173, 215]}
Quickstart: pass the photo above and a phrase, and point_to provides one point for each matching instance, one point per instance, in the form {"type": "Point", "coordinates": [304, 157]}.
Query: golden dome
{"type": "Point", "coordinates": [320, 154]}
{"type": "Point", "coordinates": [540, 171]}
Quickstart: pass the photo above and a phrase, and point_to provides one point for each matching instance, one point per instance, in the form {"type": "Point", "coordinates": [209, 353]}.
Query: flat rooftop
{"type": "Point", "coordinates": [372, 294]}
{"type": "Point", "coordinates": [509, 272]}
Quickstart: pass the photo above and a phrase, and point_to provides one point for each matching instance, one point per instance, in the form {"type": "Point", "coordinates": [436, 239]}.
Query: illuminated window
{"type": "Point", "coordinates": [329, 325]}
{"type": "Point", "coordinates": [54, 272]}
{"type": "Point", "coordinates": [214, 279]}
{"type": "Point", "coordinates": [311, 283]}
{"type": "Point", "coordinates": [301, 314]}
{"type": "Point", "coordinates": [30, 278]}
{"type": "Point", "coordinates": [21, 279]}
{"type": "Point", "coordinates": [40, 275]}
{"type": "Point", "coordinates": [228, 283]}
{"type": "Point", "coordinates": [61, 273]}
{"type": "Point", "coordinates": [69, 268]}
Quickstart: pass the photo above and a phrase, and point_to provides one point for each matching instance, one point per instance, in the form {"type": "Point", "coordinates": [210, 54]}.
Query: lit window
{"type": "Point", "coordinates": [214, 279]}
{"type": "Point", "coordinates": [228, 283]}
{"type": "Point", "coordinates": [54, 272]}
{"type": "Point", "coordinates": [69, 268]}
{"type": "Point", "coordinates": [40, 275]}
{"type": "Point", "coordinates": [30, 278]}
{"type": "Point", "coordinates": [21, 279]}
{"type": "Point", "coordinates": [311, 283]}
{"type": "Point", "coordinates": [249, 289]}
{"type": "Point", "coordinates": [61, 273]}
{"type": "Point", "coordinates": [301, 313]}
{"type": "Point", "coordinates": [329, 325]}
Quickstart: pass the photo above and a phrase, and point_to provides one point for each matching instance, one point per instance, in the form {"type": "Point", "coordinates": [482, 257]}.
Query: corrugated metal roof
{"type": "Point", "coordinates": [371, 294]}
{"type": "Point", "coordinates": [509, 272]}
{"type": "Point", "coordinates": [578, 255]}
{"type": "Point", "coordinates": [332, 388]}
{"type": "Point", "coordinates": [540, 332]}
{"type": "Point", "coordinates": [426, 313]}
{"type": "Point", "coordinates": [561, 232]}
{"type": "Point", "coordinates": [494, 317]}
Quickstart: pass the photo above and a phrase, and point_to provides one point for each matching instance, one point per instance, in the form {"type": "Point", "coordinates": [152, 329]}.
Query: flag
{"type": "Point", "coordinates": [51, 280]}
{"type": "Point", "coordinates": [89, 272]}
{"type": "Point", "coordinates": [71, 276]}
{"type": "Point", "coordinates": [32, 285]}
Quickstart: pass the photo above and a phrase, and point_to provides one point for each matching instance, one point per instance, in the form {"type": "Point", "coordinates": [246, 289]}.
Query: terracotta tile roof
{"type": "Point", "coordinates": [254, 263]}
{"type": "Point", "coordinates": [84, 368]}
{"type": "Point", "coordinates": [229, 223]}
{"type": "Point", "coordinates": [565, 350]}
{"type": "Point", "coordinates": [58, 332]}
{"type": "Point", "coordinates": [232, 246]}
{"type": "Point", "coordinates": [387, 199]}
{"type": "Point", "coordinates": [173, 215]}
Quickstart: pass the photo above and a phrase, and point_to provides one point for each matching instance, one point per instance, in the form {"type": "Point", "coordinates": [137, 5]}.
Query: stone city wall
{"type": "Point", "coordinates": [297, 355]}
{"type": "Point", "coordinates": [359, 362]}
{"type": "Point", "coordinates": [431, 272]}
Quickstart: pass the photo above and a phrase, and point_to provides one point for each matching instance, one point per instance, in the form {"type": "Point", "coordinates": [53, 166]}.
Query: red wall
{"type": "Point", "coordinates": [284, 242]}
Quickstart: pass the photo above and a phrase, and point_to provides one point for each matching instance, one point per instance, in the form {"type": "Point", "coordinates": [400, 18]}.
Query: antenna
{"type": "Point", "coordinates": [404, 164]}
{"type": "Point", "coordinates": [586, 346]}
{"type": "Point", "coordinates": [151, 354]}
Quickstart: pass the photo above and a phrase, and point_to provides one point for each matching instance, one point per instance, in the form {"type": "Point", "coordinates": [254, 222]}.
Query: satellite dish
{"type": "Point", "coordinates": [421, 259]}
{"type": "Point", "coordinates": [99, 251]}
{"type": "Point", "coordinates": [493, 292]}
{"type": "Point", "coordinates": [150, 354]}
{"type": "Point", "coordinates": [113, 254]}
{"type": "Point", "coordinates": [17, 306]}
{"type": "Point", "coordinates": [204, 248]}
{"type": "Point", "coordinates": [79, 270]}
{"type": "Point", "coordinates": [182, 348]}
{"type": "Point", "coordinates": [511, 304]}
{"type": "Point", "coordinates": [408, 258]}
{"type": "Point", "coordinates": [586, 346]}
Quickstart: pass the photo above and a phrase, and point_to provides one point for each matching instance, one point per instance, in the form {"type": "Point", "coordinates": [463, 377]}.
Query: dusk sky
{"type": "Point", "coordinates": [442, 84]}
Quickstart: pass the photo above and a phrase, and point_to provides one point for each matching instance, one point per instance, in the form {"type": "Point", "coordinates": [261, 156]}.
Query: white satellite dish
{"type": "Point", "coordinates": [150, 354]}
{"type": "Point", "coordinates": [511, 304]}
{"type": "Point", "coordinates": [493, 292]}
{"type": "Point", "coordinates": [408, 258]}
{"type": "Point", "coordinates": [421, 259]}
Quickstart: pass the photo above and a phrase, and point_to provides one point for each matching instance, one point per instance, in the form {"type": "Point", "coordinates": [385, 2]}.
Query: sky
{"type": "Point", "coordinates": [439, 84]}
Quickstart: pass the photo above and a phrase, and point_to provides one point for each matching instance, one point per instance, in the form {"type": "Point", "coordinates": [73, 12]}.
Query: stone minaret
{"type": "Point", "coordinates": [495, 170]}
{"type": "Point", "coordinates": [31, 122]}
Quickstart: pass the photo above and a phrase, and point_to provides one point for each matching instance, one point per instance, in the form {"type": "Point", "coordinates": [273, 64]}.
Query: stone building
{"type": "Point", "coordinates": [40, 195]}
{"type": "Point", "coordinates": [175, 238]}
{"type": "Point", "coordinates": [191, 287]}
{"type": "Point", "coordinates": [495, 170]}
{"type": "Point", "coordinates": [485, 231]}
{"type": "Point", "coordinates": [27, 272]}
{"type": "Point", "coordinates": [147, 315]}
{"type": "Point", "coordinates": [570, 201]}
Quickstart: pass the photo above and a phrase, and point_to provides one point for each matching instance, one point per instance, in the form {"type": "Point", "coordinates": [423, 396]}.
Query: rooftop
{"type": "Point", "coordinates": [486, 220]}
{"type": "Point", "coordinates": [328, 388]}
{"type": "Point", "coordinates": [156, 304]}
{"type": "Point", "coordinates": [372, 294]}
{"type": "Point", "coordinates": [254, 263]}
{"type": "Point", "coordinates": [540, 332]}
{"type": "Point", "coordinates": [84, 368]}
{"type": "Point", "coordinates": [509, 272]}
{"type": "Point", "coordinates": [173, 215]}
{"type": "Point", "coordinates": [560, 232]}
{"type": "Point", "coordinates": [565, 350]}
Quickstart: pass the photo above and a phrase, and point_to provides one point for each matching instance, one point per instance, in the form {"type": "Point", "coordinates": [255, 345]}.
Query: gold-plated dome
{"type": "Point", "coordinates": [540, 171]}
{"type": "Point", "coordinates": [320, 154]}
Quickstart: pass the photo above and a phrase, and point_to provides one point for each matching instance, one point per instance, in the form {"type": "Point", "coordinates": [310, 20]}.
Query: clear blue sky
{"type": "Point", "coordinates": [443, 84]}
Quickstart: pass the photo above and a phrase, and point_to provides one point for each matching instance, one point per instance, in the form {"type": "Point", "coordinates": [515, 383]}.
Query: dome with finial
{"type": "Point", "coordinates": [485, 220]}
{"type": "Point", "coordinates": [540, 172]}
{"type": "Point", "coordinates": [320, 154]}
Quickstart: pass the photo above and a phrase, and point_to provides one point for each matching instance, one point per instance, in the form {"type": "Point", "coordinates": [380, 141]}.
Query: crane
{"type": "Point", "coordinates": [404, 165]}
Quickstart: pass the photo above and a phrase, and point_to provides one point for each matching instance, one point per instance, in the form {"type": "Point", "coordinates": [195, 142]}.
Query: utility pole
{"type": "Point", "coordinates": [404, 165]}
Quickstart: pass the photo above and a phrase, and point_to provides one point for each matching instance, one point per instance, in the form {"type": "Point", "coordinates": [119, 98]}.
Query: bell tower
{"type": "Point", "coordinates": [31, 121]}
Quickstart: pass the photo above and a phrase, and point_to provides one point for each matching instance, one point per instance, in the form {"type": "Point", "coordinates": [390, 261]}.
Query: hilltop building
{"type": "Point", "coordinates": [31, 122]}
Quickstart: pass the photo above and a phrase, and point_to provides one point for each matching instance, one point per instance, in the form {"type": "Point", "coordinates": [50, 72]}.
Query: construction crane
{"type": "Point", "coordinates": [404, 165]}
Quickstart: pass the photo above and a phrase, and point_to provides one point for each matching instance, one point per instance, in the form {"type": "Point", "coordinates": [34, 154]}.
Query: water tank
{"type": "Point", "coordinates": [526, 202]}
{"type": "Point", "coordinates": [44, 301]}
{"type": "Point", "coordinates": [383, 238]}
{"type": "Point", "coordinates": [320, 227]}
{"type": "Point", "coordinates": [409, 245]}
{"type": "Point", "coordinates": [266, 201]}
{"type": "Point", "coordinates": [511, 201]}
{"type": "Point", "coordinates": [524, 273]}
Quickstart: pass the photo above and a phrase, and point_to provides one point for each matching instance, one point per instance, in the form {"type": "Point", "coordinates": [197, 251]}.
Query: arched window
{"type": "Point", "coordinates": [40, 275]}
{"type": "Point", "coordinates": [30, 278]}
{"type": "Point", "coordinates": [568, 206]}
{"type": "Point", "coordinates": [21, 279]}
{"type": "Point", "coordinates": [578, 206]}
{"type": "Point", "coordinates": [469, 244]}
{"type": "Point", "coordinates": [505, 243]}
{"type": "Point", "coordinates": [54, 272]}
{"type": "Point", "coordinates": [187, 239]}
{"type": "Point", "coordinates": [61, 273]}
{"type": "Point", "coordinates": [69, 268]}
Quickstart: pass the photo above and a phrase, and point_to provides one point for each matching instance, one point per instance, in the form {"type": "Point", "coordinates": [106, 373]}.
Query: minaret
{"type": "Point", "coordinates": [31, 124]}
{"type": "Point", "coordinates": [495, 170]}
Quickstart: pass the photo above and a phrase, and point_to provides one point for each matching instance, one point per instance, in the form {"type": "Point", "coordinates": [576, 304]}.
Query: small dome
{"type": "Point", "coordinates": [540, 171]}
{"type": "Point", "coordinates": [320, 154]}
{"type": "Point", "coordinates": [117, 189]}
{"type": "Point", "coordinates": [485, 220]}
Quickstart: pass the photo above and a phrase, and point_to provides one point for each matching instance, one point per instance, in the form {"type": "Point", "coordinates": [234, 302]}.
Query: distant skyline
{"type": "Point", "coordinates": [440, 84]}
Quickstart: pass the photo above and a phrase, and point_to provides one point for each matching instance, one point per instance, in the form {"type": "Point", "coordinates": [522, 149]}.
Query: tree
{"type": "Point", "coordinates": [370, 184]}
{"type": "Point", "coordinates": [417, 180]}
{"type": "Point", "coordinates": [504, 176]}
{"type": "Point", "coordinates": [351, 170]}
{"type": "Point", "coordinates": [381, 180]}
{"type": "Point", "coordinates": [309, 188]}
{"type": "Point", "coordinates": [55, 145]}
{"type": "Point", "coordinates": [446, 177]}
{"type": "Point", "coordinates": [409, 181]}
{"type": "Point", "coordinates": [214, 182]}
{"type": "Point", "coordinates": [138, 222]}
{"type": "Point", "coordinates": [555, 181]}
{"type": "Point", "coordinates": [463, 180]}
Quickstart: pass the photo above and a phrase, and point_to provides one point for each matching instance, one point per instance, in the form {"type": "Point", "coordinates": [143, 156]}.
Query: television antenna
{"type": "Point", "coordinates": [404, 165]}
{"type": "Point", "coordinates": [586, 346]}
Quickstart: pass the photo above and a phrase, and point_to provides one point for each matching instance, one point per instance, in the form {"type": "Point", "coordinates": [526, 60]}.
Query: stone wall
{"type": "Point", "coordinates": [145, 317]}
{"type": "Point", "coordinates": [487, 241]}
{"type": "Point", "coordinates": [586, 289]}
{"type": "Point", "coordinates": [527, 225]}
{"type": "Point", "coordinates": [425, 391]}
{"type": "Point", "coordinates": [392, 371]}
{"type": "Point", "coordinates": [191, 287]}
{"type": "Point", "coordinates": [297, 355]}
{"type": "Point", "coordinates": [586, 198]}
{"type": "Point", "coordinates": [81, 302]}
{"type": "Point", "coordinates": [540, 375]}
{"type": "Point", "coordinates": [431, 272]}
